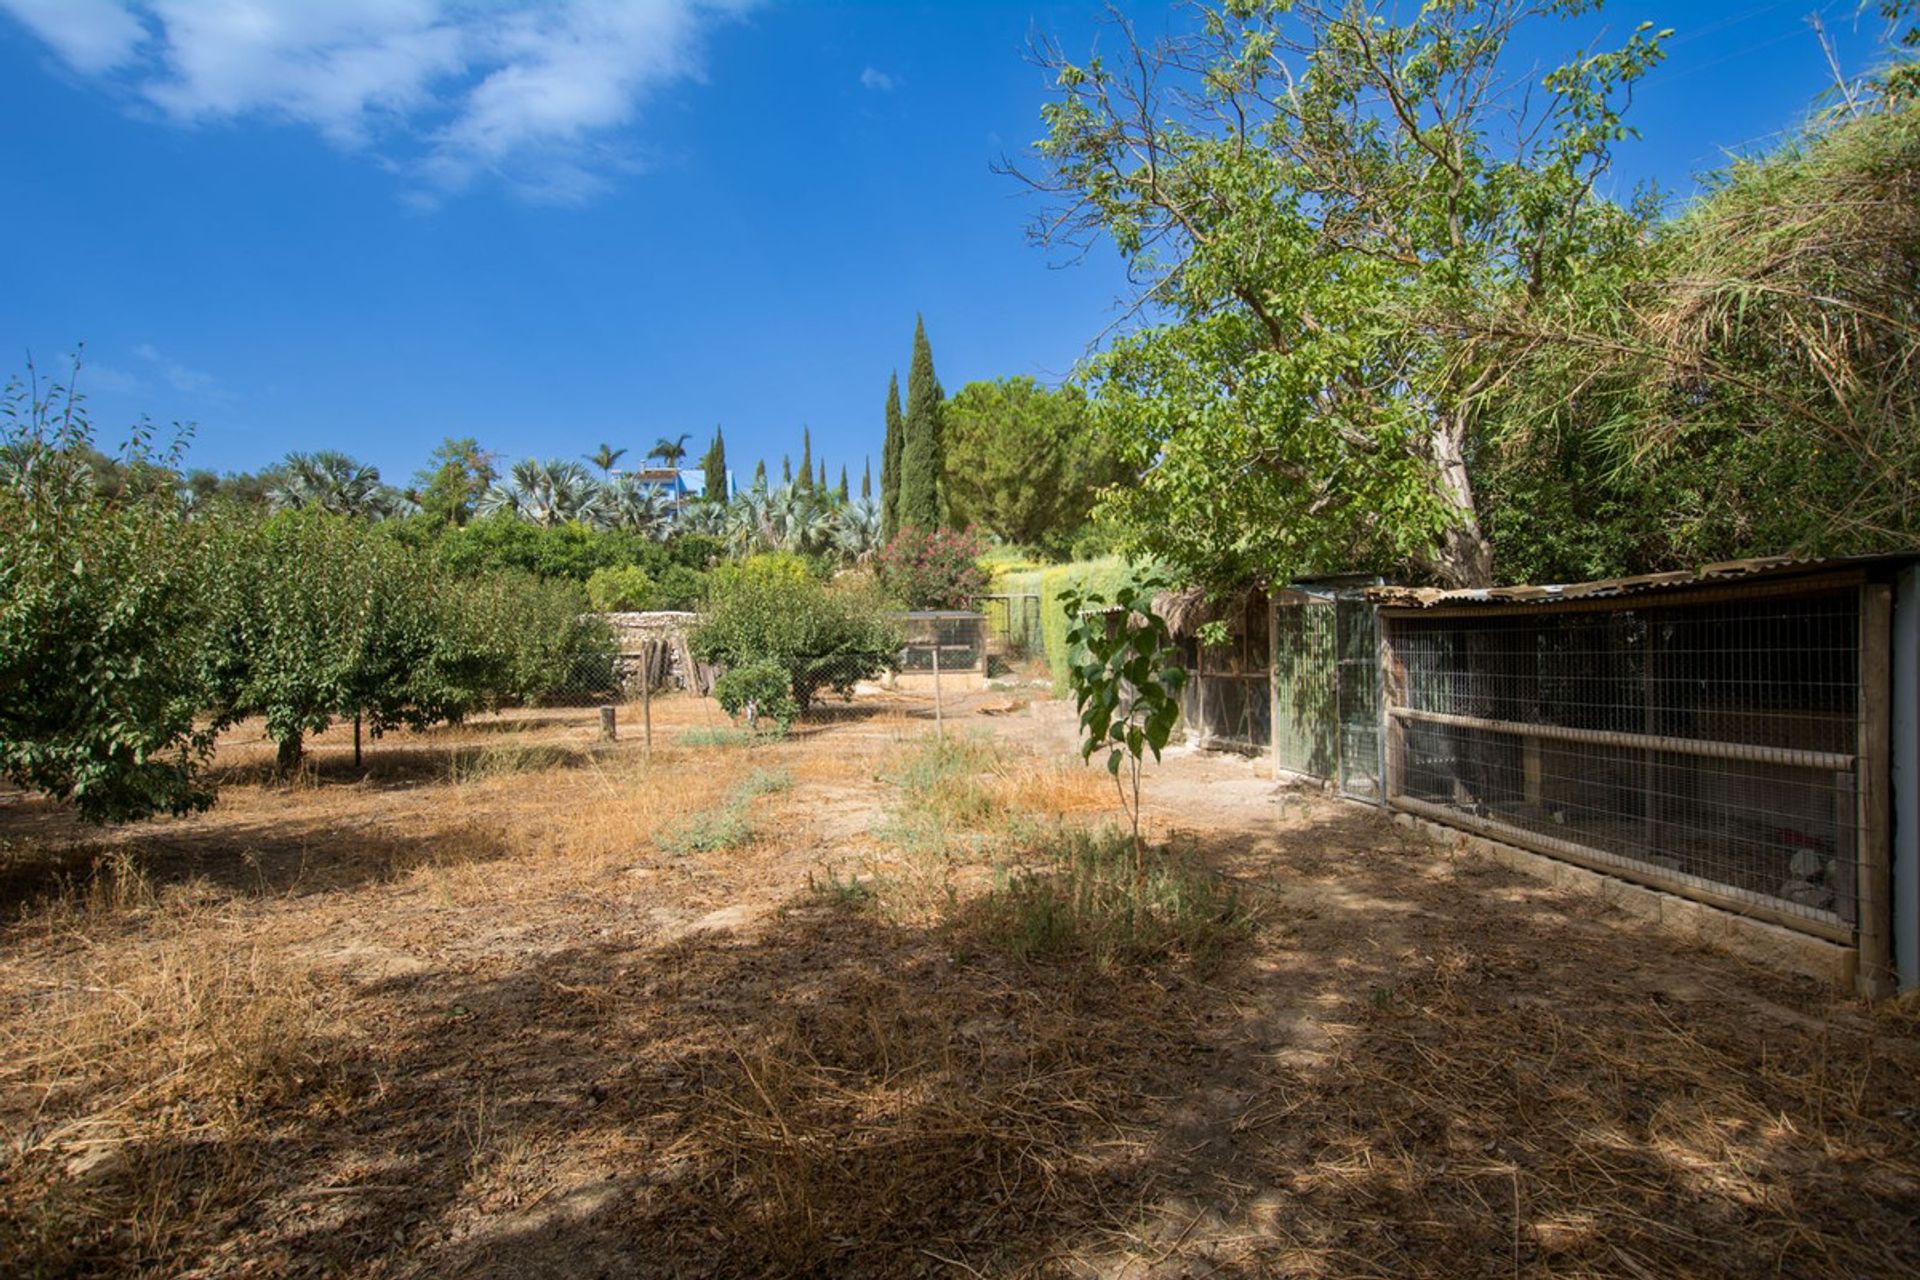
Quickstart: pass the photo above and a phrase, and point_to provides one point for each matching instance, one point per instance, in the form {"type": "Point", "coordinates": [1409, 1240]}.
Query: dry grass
{"type": "Point", "coordinates": [460, 1013]}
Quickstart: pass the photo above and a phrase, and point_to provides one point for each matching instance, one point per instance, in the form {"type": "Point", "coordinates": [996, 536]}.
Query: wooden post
{"type": "Point", "coordinates": [938, 724]}
{"type": "Point", "coordinates": [607, 730]}
{"type": "Point", "coordinates": [1873, 706]}
{"type": "Point", "coordinates": [356, 739]}
{"type": "Point", "coordinates": [1393, 693]}
{"type": "Point", "coordinates": [646, 700]}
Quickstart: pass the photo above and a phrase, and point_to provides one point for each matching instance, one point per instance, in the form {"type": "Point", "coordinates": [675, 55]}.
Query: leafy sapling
{"type": "Point", "coordinates": [1126, 682]}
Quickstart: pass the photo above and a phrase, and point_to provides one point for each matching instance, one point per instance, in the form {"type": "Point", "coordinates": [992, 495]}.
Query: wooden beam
{"type": "Point", "coordinates": [1752, 753]}
{"type": "Point", "coordinates": [1874, 879]}
{"type": "Point", "coordinates": [1698, 888]}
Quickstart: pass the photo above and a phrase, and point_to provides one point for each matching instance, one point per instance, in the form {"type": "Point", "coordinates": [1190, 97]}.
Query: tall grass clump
{"type": "Point", "coordinates": [1082, 898]}
{"type": "Point", "coordinates": [947, 796]}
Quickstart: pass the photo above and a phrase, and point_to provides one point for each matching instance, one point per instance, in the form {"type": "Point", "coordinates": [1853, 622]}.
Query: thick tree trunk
{"type": "Point", "coordinates": [1464, 557]}
{"type": "Point", "coordinates": [289, 758]}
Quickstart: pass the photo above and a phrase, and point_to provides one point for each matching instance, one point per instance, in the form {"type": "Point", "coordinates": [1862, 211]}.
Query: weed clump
{"type": "Point", "coordinates": [948, 800]}
{"type": "Point", "coordinates": [730, 825]}
{"type": "Point", "coordinates": [1081, 897]}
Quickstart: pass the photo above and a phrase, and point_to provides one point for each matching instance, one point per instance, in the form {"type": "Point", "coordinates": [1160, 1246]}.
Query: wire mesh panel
{"type": "Point", "coordinates": [1357, 678]}
{"type": "Point", "coordinates": [1705, 746]}
{"type": "Point", "coordinates": [1012, 625]}
{"type": "Point", "coordinates": [960, 640]}
{"type": "Point", "coordinates": [1227, 701]}
{"type": "Point", "coordinates": [1305, 686]}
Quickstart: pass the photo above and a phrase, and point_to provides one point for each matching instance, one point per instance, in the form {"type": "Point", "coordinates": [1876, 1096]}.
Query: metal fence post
{"type": "Point", "coordinates": [646, 697]}
{"type": "Point", "coordinates": [939, 725]}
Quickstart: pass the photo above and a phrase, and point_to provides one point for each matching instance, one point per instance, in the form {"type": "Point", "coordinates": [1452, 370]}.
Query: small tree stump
{"type": "Point", "coordinates": [607, 729]}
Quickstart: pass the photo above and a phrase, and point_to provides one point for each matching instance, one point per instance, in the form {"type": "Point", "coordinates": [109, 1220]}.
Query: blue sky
{"type": "Point", "coordinates": [369, 224]}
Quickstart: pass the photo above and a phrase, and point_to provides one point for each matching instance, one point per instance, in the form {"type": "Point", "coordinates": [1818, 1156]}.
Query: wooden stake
{"type": "Point", "coordinates": [607, 729]}
{"type": "Point", "coordinates": [356, 739]}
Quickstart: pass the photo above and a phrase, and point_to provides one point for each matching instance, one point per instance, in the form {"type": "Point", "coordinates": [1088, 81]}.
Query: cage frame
{"type": "Point", "coordinates": [1868, 761]}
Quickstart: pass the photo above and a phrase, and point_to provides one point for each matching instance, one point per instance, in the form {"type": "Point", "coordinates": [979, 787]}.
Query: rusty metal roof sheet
{"type": "Point", "coordinates": [1727, 571]}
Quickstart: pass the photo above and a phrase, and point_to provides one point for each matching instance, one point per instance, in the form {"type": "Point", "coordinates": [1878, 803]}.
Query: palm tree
{"type": "Point", "coordinates": [546, 493]}
{"type": "Point", "coordinates": [705, 517]}
{"type": "Point", "coordinates": [857, 532]}
{"type": "Point", "coordinates": [748, 522]}
{"type": "Point", "coordinates": [605, 458]}
{"type": "Point", "coordinates": [671, 451]}
{"type": "Point", "coordinates": [630, 503]}
{"type": "Point", "coordinates": [330, 481]}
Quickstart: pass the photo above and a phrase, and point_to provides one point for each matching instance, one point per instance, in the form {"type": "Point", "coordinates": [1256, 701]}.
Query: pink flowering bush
{"type": "Point", "coordinates": [933, 569]}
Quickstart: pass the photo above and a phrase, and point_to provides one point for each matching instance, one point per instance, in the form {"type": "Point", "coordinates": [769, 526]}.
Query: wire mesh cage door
{"type": "Point", "coordinates": [1305, 685]}
{"type": "Point", "coordinates": [1357, 679]}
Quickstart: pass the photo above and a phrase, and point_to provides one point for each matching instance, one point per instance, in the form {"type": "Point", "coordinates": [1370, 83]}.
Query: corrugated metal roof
{"type": "Point", "coordinates": [1728, 571]}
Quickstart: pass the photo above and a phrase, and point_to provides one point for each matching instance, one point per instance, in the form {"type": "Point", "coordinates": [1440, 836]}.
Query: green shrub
{"type": "Point", "coordinates": [1052, 583]}
{"type": "Point", "coordinates": [770, 610]}
{"type": "Point", "coordinates": [624, 589]}
{"type": "Point", "coordinates": [631, 589]}
{"type": "Point", "coordinates": [758, 690]}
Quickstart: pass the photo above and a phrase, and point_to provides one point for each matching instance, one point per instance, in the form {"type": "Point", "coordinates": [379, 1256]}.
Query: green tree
{"type": "Point", "coordinates": [920, 451]}
{"type": "Point", "coordinates": [671, 450]}
{"type": "Point", "coordinates": [102, 621]}
{"type": "Point", "coordinates": [1126, 680]}
{"type": "Point", "coordinates": [806, 458]}
{"type": "Point", "coordinates": [866, 482]}
{"type": "Point", "coordinates": [714, 464]}
{"type": "Point", "coordinates": [1024, 463]}
{"type": "Point", "coordinates": [458, 475]}
{"type": "Point", "coordinates": [824, 636]}
{"type": "Point", "coordinates": [890, 461]}
{"type": "Point", "coordinates": [760, 475]}
{"type": "Point", "coordinates": [843, 493]}
{"type": "Point", "coordinates": [1329, 204]}
{"type": "Point", "coordinates": [606, 457]}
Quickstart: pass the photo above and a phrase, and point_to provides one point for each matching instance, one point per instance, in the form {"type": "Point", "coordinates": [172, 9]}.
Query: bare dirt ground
{"type": "Point", "coordinates": [492, 1006]}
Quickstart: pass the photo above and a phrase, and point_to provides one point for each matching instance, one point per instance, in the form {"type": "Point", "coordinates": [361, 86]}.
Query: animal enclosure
{"type": "Point", "coordinates": [1326, 687]}
{"type": "Point", "coordinates": [1711, 741]}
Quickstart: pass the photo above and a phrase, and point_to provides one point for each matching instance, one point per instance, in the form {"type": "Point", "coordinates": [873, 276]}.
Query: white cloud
{"type": "Point", "coordinates": [533, 92]}
{"type": "Point", "coordinates": [191, 382]}
{"type": "Point", "coordinates": [92, 35]}
{"type": "Point", "coordinates": [876, 79]}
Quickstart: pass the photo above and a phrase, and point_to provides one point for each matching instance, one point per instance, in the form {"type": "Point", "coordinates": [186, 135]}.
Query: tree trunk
{"type": "Point", "coordinates": [289, 757]}
{"type": "Point", "coordinates": [1463, 558]}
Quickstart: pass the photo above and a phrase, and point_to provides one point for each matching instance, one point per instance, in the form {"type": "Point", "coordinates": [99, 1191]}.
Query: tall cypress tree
{"type": "Point", "coordinates": [890, 463]}
{"type": "Point", "coordinates": [842, 493]}
{"type": "Point", "coordinates": [866, 481]}
{"type": "Point", "coordinates": [714, 464]}
{"type": "Point", "coordinates": [760, 475]}
{"type": "Point", "coordinates": [786, 470]}
{"type": "Point", "coordinates": [806, 457]}
{"type": "Point", "coordinates": [920, 446]}
{"type": "Point", "coordinates": [821, 483]}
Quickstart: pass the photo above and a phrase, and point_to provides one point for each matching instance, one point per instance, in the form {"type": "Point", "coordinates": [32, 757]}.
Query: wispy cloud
{"type": "Point", "coordinates": [878, 80]}
{"type": "Point", "coordinates": [534, 93]}
{"type": "Point", "coordinates": [189, 382]}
